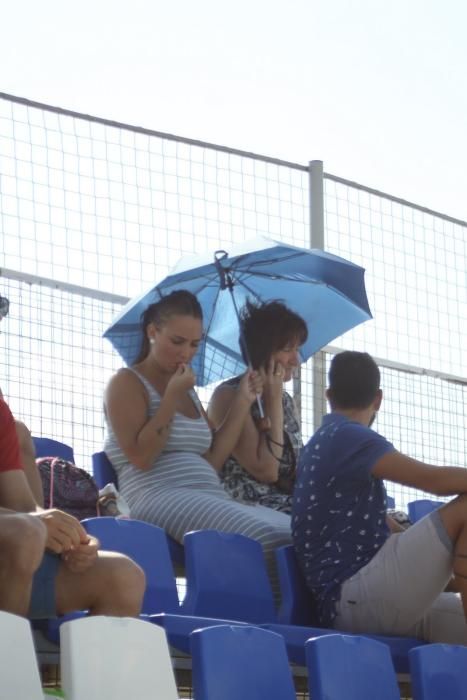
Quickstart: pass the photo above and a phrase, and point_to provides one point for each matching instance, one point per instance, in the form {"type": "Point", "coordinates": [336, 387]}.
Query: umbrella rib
{"type": "Point", "coordinates": [337, 291]}
{"type": "Point", "coordinates": [267, 275]}
{"type": "Point", "coordinates": [282, 258]}
{"type": "Point", "coordinates": [206, 334]}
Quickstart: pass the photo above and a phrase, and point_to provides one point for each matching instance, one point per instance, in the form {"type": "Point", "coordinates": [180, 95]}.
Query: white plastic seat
{"type": "Point", "coordinates": [115, 658]}
{"type": "Point", "coordinates": [19, 673]}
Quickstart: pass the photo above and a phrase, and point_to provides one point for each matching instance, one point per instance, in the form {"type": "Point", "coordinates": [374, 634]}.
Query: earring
{"type": "Point", "coordinates": [151, 341]}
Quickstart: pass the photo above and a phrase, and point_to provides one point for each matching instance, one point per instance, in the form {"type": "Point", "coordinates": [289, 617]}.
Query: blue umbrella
{"type": "Point", "coordinates": [327, 291]}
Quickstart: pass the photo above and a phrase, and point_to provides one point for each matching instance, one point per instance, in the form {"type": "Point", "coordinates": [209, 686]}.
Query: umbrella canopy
{"type": "Point", "coordinates": [327, 291]}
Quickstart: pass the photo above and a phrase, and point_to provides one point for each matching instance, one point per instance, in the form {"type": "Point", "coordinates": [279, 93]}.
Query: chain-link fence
{"type": "Point", "coordinates": [93, 212]}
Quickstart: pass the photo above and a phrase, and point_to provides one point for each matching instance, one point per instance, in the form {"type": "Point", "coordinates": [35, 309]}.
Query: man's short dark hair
{"type": "Point", "coordinates": [354, 380]}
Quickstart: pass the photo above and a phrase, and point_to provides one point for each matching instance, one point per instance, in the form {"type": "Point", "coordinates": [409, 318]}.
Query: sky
{"type": "Point", "coordinates": [377, 90]}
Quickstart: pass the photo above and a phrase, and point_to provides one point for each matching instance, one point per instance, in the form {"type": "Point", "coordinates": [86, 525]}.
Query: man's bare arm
{"type": "Point", "coordinates": [441, 481]}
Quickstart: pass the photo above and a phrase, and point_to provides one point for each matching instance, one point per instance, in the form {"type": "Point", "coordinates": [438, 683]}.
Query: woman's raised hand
{"type": "Point", "coordinates": [181, 381]}
{"type": "Point", "coordinates": [251, 385]}
{"type": "Point", "coordinates": [273, 378]}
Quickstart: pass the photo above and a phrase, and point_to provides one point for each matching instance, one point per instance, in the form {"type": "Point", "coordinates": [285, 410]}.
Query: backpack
{"type": "Point", "coordinates": [68, 488]}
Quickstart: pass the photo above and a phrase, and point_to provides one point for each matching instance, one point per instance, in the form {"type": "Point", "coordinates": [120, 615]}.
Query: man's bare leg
{"type": "Point", "coordinates": [454, 517]}
{"type": "Point", "coordinates": [114, 585]}
{"type": "Point", "coordinates": [22, 544]}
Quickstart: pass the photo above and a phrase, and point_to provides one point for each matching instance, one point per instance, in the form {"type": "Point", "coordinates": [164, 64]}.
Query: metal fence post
{"type": "Point", "coordinates": [317, 241]}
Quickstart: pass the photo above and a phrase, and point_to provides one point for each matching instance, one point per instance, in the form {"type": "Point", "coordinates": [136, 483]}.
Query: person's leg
{"type": "Point", "coordinates": [443, 622]}
{"type": "Point", "coordinates": [454, 518]}
{"type": "Point", "coordinates": [28, 460]}
{"type": "Point", "coordinates": [401, 585]}
{"type": "Point", "coordinates": [22, 543]}
{"type": "Point", "coordinates": [114, 585]}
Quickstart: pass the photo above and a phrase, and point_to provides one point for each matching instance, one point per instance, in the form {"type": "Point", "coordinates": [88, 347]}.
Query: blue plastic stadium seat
{"type": "Point", "coordinates": [147, 545]}
{"type": "Point", "coordinates": [424, 506]}
{"type": "Point", "coordinates": [390, 502]}
{"type": "Point", "coordinates": [439, 671]}
{"type": "Point", "coordinates": [299, 621]}
{"type": "Point", "coordinates": [46, 447]}
{"type": "Point", "coordinates": [297, 604]}
{"type": "Point", "coordinates": [231, 662]}
{"type": "Point", "coordinates": [226, 577]}
{"type": "Point", "coordinates": [350, 667]}
{"type": "Point", "coordinates": [104, 473]}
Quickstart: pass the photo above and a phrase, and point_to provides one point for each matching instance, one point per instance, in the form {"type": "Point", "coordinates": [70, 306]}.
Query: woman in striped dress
{"type": "Point", "coordinates": [159, 441]}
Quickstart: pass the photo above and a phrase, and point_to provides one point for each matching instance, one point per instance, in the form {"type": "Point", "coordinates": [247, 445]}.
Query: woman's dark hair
{"type": "Point", "coordinates": [354, 380]}
{"type": "Point", "coordinates": [178, 303]}
{"type": "Point", "coordinates": [268, 328]}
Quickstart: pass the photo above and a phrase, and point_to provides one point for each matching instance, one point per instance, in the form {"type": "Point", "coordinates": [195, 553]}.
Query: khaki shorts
{"type": "Point", "coordinates": [399, 592]}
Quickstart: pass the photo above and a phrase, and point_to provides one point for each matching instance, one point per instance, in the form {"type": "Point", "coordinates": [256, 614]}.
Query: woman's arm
{"type": "Point", "coordinates": [235, 416]}
{"type": "Point", "coordinates": [257, 454]}
{"type": "Point", "coordinates": [251, 449]}
{"type": "Point", "coordinates": [142, 439]}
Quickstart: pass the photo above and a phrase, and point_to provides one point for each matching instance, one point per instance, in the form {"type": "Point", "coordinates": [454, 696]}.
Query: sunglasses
{"type": "Point", "coordinates": [4, 307]}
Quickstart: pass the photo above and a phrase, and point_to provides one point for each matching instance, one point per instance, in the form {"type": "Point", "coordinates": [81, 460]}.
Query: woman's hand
{"type": "Point", "coordinates": [181, 381]}
{"type": "Point", "coordinates": [273, 378]}
{"type": "Point", "coordinates": [251, 385]}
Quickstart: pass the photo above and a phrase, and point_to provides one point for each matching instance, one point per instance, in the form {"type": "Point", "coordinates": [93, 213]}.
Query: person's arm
{"type": "Point", "coordinates": [64, 532]}
{"type": "Point", "coordinates": [28, 460]}
{"type": "Point", "coordinates": [141, 438]}
{"type": "Point", "coordinates": [252, 450]}
{"type": "Point", "coordinates": [235, 417]}
{"type": "Point", "coordinates": [440, 481]}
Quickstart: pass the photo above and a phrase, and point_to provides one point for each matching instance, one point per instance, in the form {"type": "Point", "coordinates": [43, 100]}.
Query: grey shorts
{"type": "Point", "coordinates": [400, 591]}
{"type": "Point", "coordinates": [43, 588]}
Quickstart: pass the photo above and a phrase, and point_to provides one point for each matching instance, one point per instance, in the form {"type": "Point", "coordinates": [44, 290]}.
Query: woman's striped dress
{"type": "Point", "coordinates": [182, 491]}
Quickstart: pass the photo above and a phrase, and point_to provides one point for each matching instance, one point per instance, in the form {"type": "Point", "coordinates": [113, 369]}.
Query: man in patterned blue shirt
{"type": "Point", "coordinates": [366, 573]}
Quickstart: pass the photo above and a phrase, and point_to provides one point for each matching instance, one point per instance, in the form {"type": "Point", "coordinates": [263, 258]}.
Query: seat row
{"type": "Point", "coordinates": [124, 658]}
{"type": "Point", "coordinates": [226, 583]}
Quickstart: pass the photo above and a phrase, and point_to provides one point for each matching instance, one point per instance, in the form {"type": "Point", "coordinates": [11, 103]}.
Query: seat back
{"type": "Point", "coordinates": [116, 658]}
{"type": "Point", "coordinates": [438, 671]}
{"type": "Point", "coordinates": [19, 674]}
{"type": "Point", "coordinates": [240, 662]}
{"type": "Point", "coordinates": [103, 471]}
{"type": "Point", "coordinates": [227, 578]}
{"type": "Point", "coordinates": [350, 667]}
{"type": "Point", "coordinates": [424, 506]}
{"type": "Point", "coordinates": [297, 605]}
{"type": "Point", "coordinates": [147, 545]}
{"type": "Point", "coordinates": [46, 447]}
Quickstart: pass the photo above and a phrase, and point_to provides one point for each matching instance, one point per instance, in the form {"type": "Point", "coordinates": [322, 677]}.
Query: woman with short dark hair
{"type": "Point", "coordinates": [261, 466]}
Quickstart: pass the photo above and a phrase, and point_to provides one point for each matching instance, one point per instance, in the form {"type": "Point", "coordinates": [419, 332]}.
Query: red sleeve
{"type": "Point", "coordinates": [9, 446]}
